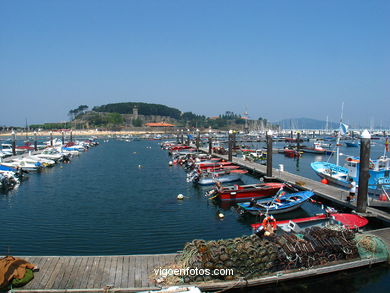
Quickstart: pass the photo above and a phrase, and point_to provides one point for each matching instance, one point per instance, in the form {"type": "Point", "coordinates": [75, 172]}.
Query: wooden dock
{"type": "Point", "coordinates": [329, 192]}
{"type": "Point", "coordinates": [130, 273]}
{"type": "Point", "coordinates": [134, 273]}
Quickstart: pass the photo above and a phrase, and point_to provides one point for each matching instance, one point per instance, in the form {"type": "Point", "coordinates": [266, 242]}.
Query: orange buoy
{"type": "Point", "coordinates": [382, 197]}
{"type": "Point", "coordinates": [324, 181]}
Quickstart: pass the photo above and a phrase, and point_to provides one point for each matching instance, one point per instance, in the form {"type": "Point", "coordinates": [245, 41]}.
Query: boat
{"type": "Point", "coordinates": [291, 153]}
{"type": "Point", "coordinates": [352, 144]}
{"type": "Point", "coordinates": [317, 149]}
{"type": "Point", "coordinates": [212, 177]}
{"type": "Point", "coordinates": [239, 193]}
{"type": "Point", "coordinates": [349, 221]}
{"type": "Point", "coordinates": [24, 165]}
{"type": "Point", "coordinates": [51, 154]}
{"type": "Point", "coordinates": [276, 205]}
{"type": "Point", "coordinates": [378, 182]}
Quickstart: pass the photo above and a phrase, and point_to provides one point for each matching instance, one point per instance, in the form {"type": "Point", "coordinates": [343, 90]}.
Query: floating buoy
{"type": "Point", "coordinates": [170, 163]}
{"type": "Point", "coordinates": [382, 197]}
{"type": "Point", "coordinates": [324, 181]}
{"type": "Point", "coordinates": [134, 152]}
{"type": "Point", "coordinates": [180, 197]}
{"type": "Point", "coordinates": [220, 215]}
{"type": "Point", "coordinates": [140, 166]}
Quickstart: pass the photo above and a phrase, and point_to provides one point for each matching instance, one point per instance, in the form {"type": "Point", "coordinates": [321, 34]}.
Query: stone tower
{"type": "Point", "coordinates": [135, 112]}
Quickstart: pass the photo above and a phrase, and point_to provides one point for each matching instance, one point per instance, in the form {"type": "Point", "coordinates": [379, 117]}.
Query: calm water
{"type": "Point", "coordinates": [120, 198]}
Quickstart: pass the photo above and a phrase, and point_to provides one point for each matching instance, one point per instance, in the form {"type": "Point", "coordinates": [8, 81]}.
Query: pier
{"type": "Point", "coordinates": [134, 273]}
{"type": "Point", "coordinates": [326, 191]}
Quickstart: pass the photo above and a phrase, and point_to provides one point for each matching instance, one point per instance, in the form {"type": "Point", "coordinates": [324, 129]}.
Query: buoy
{"type": "Point", "coordinates": [180, 197]}
{"type": "Point", "coordinates": [382, 197]}
{"type": "Point", "coordinates": [134, 152]}
{"type": "Point", "coordinates": [139, 166]}
{"type": "Point", "coordinates": [170, 163]}
{"type": "Point", "coordinates": [220, 215]}
{"type": "Point", "coordinates": [324, 181]}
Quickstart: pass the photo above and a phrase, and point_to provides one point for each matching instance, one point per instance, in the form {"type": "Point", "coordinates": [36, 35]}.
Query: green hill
{"type": "Point", "coordinates": [143, 109]}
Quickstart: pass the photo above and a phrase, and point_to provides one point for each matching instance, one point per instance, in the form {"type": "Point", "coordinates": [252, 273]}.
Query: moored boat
{"type": "Point", "coordinates": [239, 193]}
{"type": "Point", "coordinates": [277, 205]}
{"type": "Point", "coordinates": [349, 221]}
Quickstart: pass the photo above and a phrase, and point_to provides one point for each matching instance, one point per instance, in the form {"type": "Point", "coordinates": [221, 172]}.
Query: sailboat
{"type": "Point", "coordinates": [379, 179]}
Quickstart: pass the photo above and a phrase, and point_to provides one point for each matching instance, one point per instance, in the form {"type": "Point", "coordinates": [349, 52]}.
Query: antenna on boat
{"type": "Point", "coordinates": [339, 136]}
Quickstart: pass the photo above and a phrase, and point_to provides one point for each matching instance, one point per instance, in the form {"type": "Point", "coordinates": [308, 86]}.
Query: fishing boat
{"type": "Point", "coordinates": [212, 177]}
{"type": "Point", "coordinates": [352, 144]}
{"type": "Point", "coordinates": [317, 149]}
{"type": "Point", "coordinates": [277, 205]}
{"type": "Point", "coordinates": [349, 221]}
{"type": "Point", "coordinates": [291, 153]}
{"type": "Point", "coordinates": [378, 182]}
{"type": "Point", "coordinates": [237, 193]}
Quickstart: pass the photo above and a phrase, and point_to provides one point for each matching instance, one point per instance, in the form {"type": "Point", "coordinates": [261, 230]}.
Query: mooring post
{"type": "Point", "coordinates": [291, 134]}
{"type": "Point", "coordinates": [51, 138]}
{"type": "Point", "coordinates": [269, 153]}
{"type": "Point", "coordinates": [230, 146]}
{"type": "Point", "coordinates": [210, 145]}
{"type": "Point", "coordinates": [365, 145]}
{"type": "Point", "coordinates": [298, 141]}
{"type": "Point", "coordinates": [182, 137]}
{"type": "Point", "coordinates": [234, 139]}
{"type": "Point", "coordinates": [71, 136]}
{"type": "Point", "coordinates": [188, 138]}
{"type": "Point", "coordinates": [35, 141]}
{"type": "Point", "coordinates": [197, 140]}
{"type": "Point", "coordinates": [13, 143]}
{"type": "Point", "coordinates": [63, 137]}
{"type": "Point", "coordinates": [314, 134]}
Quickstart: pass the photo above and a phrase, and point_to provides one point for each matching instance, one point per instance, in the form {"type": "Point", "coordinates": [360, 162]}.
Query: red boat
{"type": "Point", "coordinates": [239, 193]}
{"type": "Point", "coordinates": [213, 165]}
{"type": "Point", "coordinates": [350, 221]}
{"type": "Point", "coordinates": [291, 153]}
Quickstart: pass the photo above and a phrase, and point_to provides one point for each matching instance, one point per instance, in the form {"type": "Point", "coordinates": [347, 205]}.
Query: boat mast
{"type": "Point", "coordinates": [339, 136]}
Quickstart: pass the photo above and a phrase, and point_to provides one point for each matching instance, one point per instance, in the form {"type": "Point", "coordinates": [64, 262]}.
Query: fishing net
{"type": "Point", "coordinates": [370, 246]}
{"type": "Point", "coordinates": [251, 256]}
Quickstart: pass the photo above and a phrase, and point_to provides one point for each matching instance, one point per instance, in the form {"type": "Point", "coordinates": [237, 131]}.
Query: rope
{"type": "Point", "coordinates": [234, 284]}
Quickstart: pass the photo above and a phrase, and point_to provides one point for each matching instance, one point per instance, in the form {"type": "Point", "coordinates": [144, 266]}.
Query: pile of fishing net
{"type": "Point", "coordinates": [370, 246]}
{"type": "Point", "coordinates": [252, 256]}
{"type": "Point", "coordinates": [316, 246]}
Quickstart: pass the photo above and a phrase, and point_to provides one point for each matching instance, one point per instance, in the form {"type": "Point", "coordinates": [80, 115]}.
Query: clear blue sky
{"type": "Point", "coordinates": [275, 59]}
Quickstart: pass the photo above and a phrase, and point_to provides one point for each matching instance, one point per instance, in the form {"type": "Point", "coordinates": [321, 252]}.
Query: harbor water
{"type": "Point", "coordinates": [120, 198]}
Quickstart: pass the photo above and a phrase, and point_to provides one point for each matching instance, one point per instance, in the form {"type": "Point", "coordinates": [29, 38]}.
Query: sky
{"type": "Point", "coordinates": [273, 59]}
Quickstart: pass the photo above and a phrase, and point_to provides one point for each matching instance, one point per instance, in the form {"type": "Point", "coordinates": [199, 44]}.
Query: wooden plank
{"type": "Point", "coordinates": [112, 272]}
{"type": "Point", "coordinates": [66, 273]}
{"type": "Point", "coordinates": [72, 279]}
{"type": "Point", "coordinates": [144, 270]}
{"type": "Point", "coordinates": [96, 274]}
{"type": "Point", "coordinates": [80, 273]}
{"type": "Point", "coordinates": [56, 273]}
{"type": "Point", "coordinates": [125, 272]}
{"type": "Point", "coordinates": [131, 276]}
{"type": "Point", "coordinates": [137, 272]}
{"type": "Point", "coordinates": [46, 270]}
{"type": "Point", "coordinates": [105, 264]}
{"type": "Point", "coordinates": [118, 273]}
{"type": "Point", "coordinates": [86, 273]}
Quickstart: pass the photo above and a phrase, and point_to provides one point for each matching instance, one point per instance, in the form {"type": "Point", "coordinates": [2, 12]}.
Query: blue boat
{"type": "Point", "coordinates": [352, 144]}
{"type": "Point", "coordinates": [379, 170]}
{"type": "Point", "coordinates": [276, 205]}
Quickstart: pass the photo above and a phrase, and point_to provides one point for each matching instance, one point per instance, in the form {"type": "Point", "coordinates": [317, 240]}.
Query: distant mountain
{"type": "Point", "coordinates": [305, 123]}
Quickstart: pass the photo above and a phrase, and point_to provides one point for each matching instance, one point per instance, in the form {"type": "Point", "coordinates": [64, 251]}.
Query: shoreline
{"type": "Point", "coordinates": [85, 133]}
